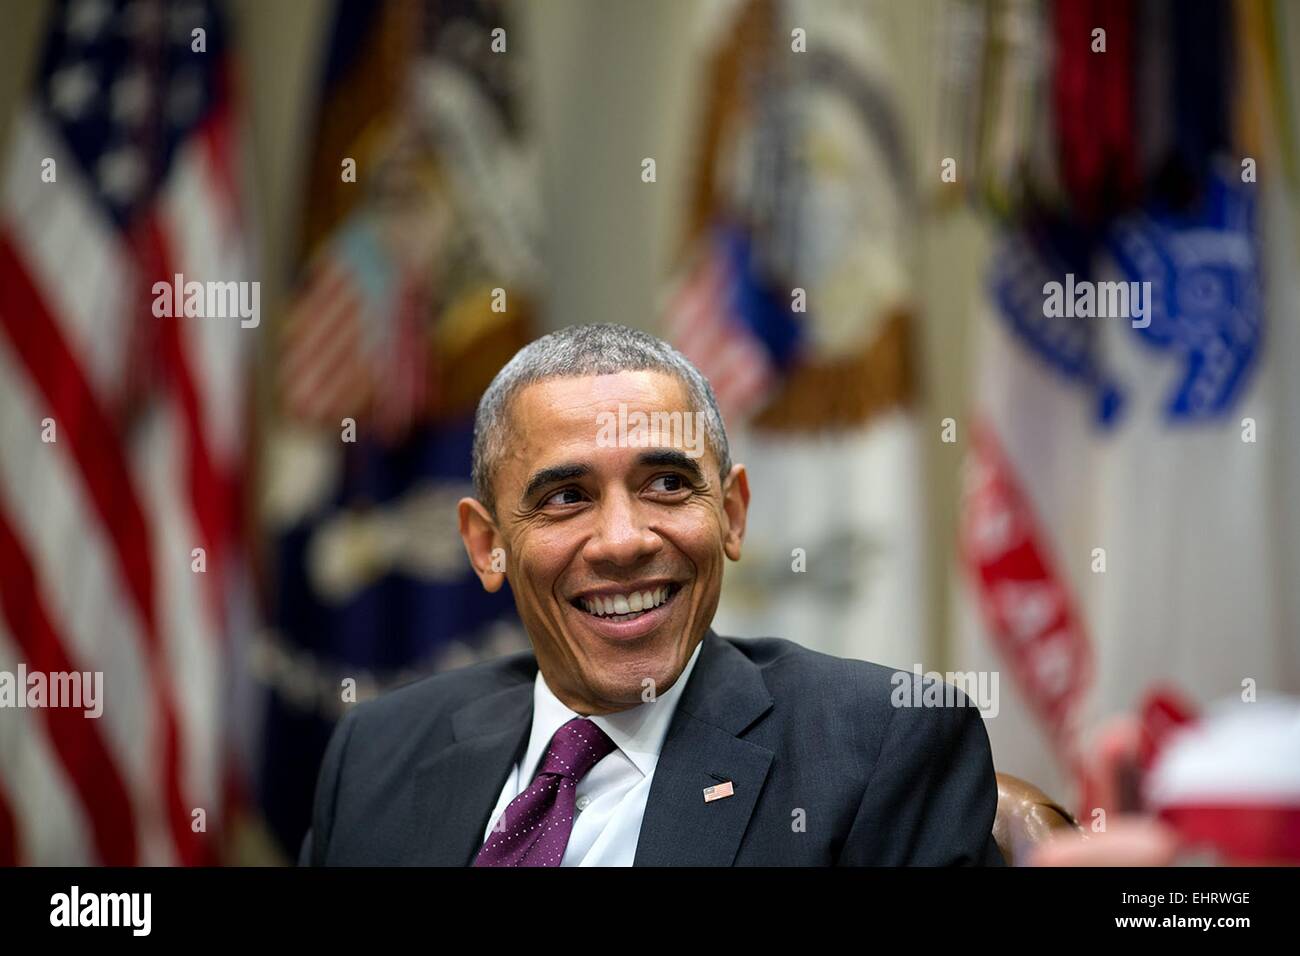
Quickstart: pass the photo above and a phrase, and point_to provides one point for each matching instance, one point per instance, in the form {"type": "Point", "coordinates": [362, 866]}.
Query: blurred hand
{"type": "Point", "coordinates": [1130, 840]}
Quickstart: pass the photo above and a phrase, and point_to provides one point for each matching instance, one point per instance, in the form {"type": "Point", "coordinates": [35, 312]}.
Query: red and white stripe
{"type": "Point", "coordinates": [404, 395]}
{"type": "Point", "coordinates": [702, 326]}
{"type": "Point", "coordinates": [97, 528]}
{"type": "Point", "coordinates": [347, 354]}
{"type": "Point", "coordinates": [321, 374]}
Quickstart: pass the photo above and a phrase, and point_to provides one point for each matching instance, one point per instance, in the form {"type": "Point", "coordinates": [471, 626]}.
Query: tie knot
{"type": "Point", "coordinates": [576, 747]}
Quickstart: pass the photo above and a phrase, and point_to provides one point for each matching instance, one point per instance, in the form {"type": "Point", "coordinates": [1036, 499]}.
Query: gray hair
{"type": "Point", "coordinates": [576, 351]}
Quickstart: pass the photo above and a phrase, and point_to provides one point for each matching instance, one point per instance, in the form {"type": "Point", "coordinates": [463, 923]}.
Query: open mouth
{"type": "Point", "coordinates": [628, 606]}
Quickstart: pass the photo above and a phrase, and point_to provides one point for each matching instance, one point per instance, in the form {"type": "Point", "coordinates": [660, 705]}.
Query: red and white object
{"type": "Point", "coordinates": [1231, 782]}
{"type": "Point", "coordinates": [100, 528]}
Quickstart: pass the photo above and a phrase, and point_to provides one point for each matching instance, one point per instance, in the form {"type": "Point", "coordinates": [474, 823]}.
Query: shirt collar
{"type": "Point", "coordinates": [638, 731]}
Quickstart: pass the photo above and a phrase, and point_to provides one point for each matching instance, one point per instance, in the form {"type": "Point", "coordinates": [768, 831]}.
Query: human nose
{"type": "Point", "coordinates": [622, 535]}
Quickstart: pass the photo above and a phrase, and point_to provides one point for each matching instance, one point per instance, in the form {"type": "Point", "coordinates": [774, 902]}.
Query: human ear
{"type": "Point", "coordinates": [483, 543]}
{"type": "Point", "coordinates": [735, 507]}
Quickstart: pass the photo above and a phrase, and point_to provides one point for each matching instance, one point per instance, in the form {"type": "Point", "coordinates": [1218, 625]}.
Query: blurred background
{"type": "Point", "coordinates": [848, 214]}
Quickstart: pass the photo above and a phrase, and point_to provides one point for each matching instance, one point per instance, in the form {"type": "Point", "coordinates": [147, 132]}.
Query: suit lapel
{"type": "Point", "coordinates": [456, 789]}
{"type": "Point", "coordinates": [724, 696]}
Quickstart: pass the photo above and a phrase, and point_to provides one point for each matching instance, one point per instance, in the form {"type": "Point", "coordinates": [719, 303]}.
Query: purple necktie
{"type": "Point", "coordinates": [534, 829]}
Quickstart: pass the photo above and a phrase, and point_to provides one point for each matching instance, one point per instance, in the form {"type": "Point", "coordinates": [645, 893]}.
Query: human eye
{"type": "Point", "coordinates": [670, 483]}
{"type": "Point", "coordinates": [565, 496]}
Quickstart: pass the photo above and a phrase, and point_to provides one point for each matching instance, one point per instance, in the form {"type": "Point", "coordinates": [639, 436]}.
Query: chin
{"type": "Point", "coordinates": [623, 681]}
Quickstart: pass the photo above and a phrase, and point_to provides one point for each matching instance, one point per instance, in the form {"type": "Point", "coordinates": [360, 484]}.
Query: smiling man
{"type": "Point", "coordinates": [634, 734]}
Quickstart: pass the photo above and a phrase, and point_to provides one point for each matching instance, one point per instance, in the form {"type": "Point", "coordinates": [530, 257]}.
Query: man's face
{"type": "Point", "coordinates": [614, 554]}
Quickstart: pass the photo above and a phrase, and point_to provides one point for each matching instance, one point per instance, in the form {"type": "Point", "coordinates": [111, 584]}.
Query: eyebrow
{"type": "Point", "coordinates": [666, 457]}
{"type": "Point", "coordinates": [672, 458]}
{"type": "Point", "coordinates": [549, 476]}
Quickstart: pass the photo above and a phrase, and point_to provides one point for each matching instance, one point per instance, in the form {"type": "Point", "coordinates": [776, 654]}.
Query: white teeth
{"type": "Point", "coordinates": [626, 603]}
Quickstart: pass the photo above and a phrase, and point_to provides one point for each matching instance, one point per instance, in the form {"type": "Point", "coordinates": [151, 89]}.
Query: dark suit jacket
{"type": "Point", "coordinates": [825, 770]}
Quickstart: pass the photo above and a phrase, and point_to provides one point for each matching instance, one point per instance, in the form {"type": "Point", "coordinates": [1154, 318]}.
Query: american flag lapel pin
{"type": "Point", "coordinates": [718, 791]}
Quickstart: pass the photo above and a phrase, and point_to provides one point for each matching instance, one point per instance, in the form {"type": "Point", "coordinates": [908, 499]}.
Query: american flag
{"type": "Point", "coordinates": [120, 172]}
{"type": "Point", "coordinates": [708, 322]}
{"type": "Point", "coordinates": [352, 344]}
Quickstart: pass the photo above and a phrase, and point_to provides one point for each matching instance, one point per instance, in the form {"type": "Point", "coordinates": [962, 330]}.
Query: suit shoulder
{"type": "Point", "coordinates": [790, 667]}
{"type": "Point", "coordinates": [430, 698]}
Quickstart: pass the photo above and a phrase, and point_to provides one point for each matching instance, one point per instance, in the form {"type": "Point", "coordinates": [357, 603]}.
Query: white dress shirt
{"type": "Point", "coordinates": [611, 798]}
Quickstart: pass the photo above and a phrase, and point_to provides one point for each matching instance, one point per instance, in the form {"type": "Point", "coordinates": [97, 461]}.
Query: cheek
{"type": "Point", "coordinates": [698, 536]}
{"type": "Point", "coordinates": [541, 558]}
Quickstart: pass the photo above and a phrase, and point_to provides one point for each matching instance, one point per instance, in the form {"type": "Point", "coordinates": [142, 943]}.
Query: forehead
{"type": "Point", "coordinates": [561, 418]}
{"type": "Point", "coordinates": [574, 405]}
